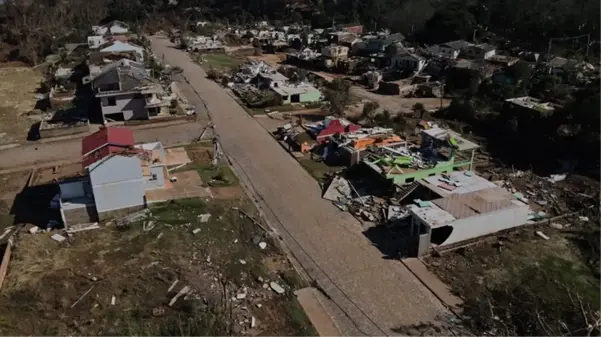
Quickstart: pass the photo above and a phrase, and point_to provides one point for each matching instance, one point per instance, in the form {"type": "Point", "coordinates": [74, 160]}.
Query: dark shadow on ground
{"type": "Point", "coordinates": [32, 205]}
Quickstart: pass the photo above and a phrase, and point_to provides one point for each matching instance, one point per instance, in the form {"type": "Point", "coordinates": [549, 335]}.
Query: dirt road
{"type": "Point", "coordinates": [376, 294]}
{"type": "Point", "coordinates": [395, 104]}
{"type": "Point", "coordinates": [70, 149]}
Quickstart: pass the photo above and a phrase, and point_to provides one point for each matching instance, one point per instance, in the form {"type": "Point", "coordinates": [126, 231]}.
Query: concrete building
{"type": "Point", "coordinates": [440, 151]}
{"type": "Point", "coordinates": [126, 91]}
{"type": "Point", "coordinates": [450, 49]}
{"type": "Point", "coordinates": [117, 47]}
{"type": "Point", "coordinates": [482, 51]}
{"type": "Point", "coordinates": [117, 174]}
{"type": "Point", "coordinates": [292, 93]}
{"type": "Point", "coordinates": [466, 207]}
{"type": "Point", "coordinates": [335, 51]}
{"type": "Point", "coordinates": [114, 28]}
{"type": "Point", "coordinates": [408, 61]}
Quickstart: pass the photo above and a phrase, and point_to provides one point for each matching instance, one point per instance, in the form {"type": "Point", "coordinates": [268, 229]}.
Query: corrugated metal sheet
{"type": "Point", "coordinates": [484, 201]}
{"type": "Point", "coordinates": [117, 182]}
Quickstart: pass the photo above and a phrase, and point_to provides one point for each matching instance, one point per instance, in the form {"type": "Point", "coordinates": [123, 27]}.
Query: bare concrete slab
{"type": "Point", "coordinates": [317, 314]}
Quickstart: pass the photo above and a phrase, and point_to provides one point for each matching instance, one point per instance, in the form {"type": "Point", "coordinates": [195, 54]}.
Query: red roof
{"type": "Point", "coordinates": [107, 136]}
{"type": "Point", "coordinates": [105, 142]}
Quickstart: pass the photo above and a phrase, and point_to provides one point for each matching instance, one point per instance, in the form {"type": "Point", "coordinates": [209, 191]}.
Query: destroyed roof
{"type": "Point", "coordinates": [485, 47]}
{"type": "Point", "coordinates": [444, 134]}
{"type": "Point", "coordinates": [287, 89]}
{"type": "Point", "coordinates": [105, 142]}
{"type": "Point", "coordinates": [531, 103]}
{"type": "Point", "coordinates": [456, 45]}
{"type": "Point", "coordinates": [107, 136]}
{"type": "Point", "coordinates": [463, 183]}
{"type": "Point", "coordinates": [444, 211]}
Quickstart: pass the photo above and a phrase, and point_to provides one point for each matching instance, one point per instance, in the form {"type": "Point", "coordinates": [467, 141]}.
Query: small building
{"type": "Point", "coordinates": [335, 51]}
{"type": "Point", "coordinates": [126, 91]}
{"type": "Point", "coordinates": [465, 207]}
{"type": "Point", "coordinates": [450, 49]}
{"type": "Point", "coordinates": [292, 93]}
{"type": "Point", "coordinates": [117, 174]}
{"type": "Point", "coordinates": [482, 51]}
{"type": "Point", "coordinates": [323, 130]}
{"type": "Point", "coordinates": [114, 28]}
{"type": "Point", "coordinates": [118, 47]}
{"type": "Point", "coordinates": [408, 61]}
{"type": "Point", "coordinates": [350, 28]}
{"type": "Point", "coordinates": [353, 146]}
{"type": "Point", "coordinates": [530, 104]}
{"type": "Point", "coordinates": [439, 151]}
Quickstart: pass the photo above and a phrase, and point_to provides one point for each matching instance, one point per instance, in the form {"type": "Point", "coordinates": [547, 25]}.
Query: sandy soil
{"type": "Point", "coordinates": [17, 97]}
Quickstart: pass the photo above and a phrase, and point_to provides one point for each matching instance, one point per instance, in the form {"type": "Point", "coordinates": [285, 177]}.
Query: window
{"type": "Point", "coordinates": [409, 180]}
{"type": "Point", "coordinates": [111, 101]}
{"type": "Point", "coordinates": [154, 177]}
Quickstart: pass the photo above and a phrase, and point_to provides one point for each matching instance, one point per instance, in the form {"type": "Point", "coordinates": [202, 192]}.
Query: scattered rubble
{"type": "Point", "coordinates": [277, 288]}
{"type": "Point", "coordinates": [58, 238]}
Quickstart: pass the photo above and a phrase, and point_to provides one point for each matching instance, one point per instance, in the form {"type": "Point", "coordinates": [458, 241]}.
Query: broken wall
{"type": "Point", "coordinates": [489, 223]}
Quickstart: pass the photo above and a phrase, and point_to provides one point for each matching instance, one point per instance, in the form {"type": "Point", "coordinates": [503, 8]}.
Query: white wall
{"type": "Point", "coordinates": [95, 41]}
{"type": "Point", "coordinates": [70, 190]}
{"type": "Point", "coordinates": [114, 196]}
{"type": "Point", "coordinates": [476, 226]}
{"type": "Point", "coordinates": [132, 108]}
{"type": "Point", "coordinates": [115, 169]}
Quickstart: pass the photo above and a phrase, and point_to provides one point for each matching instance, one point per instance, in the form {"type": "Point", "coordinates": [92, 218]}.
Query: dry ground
{"type": "Point", "coordinates": [138, 267]}
{"type": "Point", "coordinates": [522, 271]}
{"type": "Point", "coordinates": [220, 260]}
{"type": "Point", "coordinates": [395, 104]}
{"type": "Point", "coordinates": [49, 174]}
{"type": "Point", "coordinates": [17, 97]}
{"type": "Point", "coordinates": [273, 60]}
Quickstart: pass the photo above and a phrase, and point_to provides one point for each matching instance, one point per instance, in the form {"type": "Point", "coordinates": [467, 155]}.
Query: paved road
{"type": "Point", "coordinates": [376, 294]}
{"type": "Point", "coordinates": [66, 150]}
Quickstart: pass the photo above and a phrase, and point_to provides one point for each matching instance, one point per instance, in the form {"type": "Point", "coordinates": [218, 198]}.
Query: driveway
{"type": "Point", "coordinates": [369, 295]}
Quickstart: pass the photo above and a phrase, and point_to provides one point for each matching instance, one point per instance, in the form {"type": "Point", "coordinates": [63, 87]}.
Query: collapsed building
{"type": "Point", "coordinates": [440, 151]}
{"type": "Point", "coordinates": [255, 77]}
{"type": "Point", "coordinates": [422, 195]}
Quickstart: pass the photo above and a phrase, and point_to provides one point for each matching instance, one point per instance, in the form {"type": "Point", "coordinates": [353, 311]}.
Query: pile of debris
{"type": "Point", "coordinates": [371, 204]}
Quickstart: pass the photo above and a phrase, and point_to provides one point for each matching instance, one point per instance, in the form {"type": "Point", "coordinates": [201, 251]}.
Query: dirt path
{"type": "Point", "coordinates": [395, 104]}
{"type": "Point", "coordinates": [372, 295]}
{"type": "Point", "coordinates": [70, 149]}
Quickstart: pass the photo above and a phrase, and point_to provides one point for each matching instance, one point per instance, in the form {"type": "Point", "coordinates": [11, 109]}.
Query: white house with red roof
{"type": "Point", "coordinates": [117, 174]}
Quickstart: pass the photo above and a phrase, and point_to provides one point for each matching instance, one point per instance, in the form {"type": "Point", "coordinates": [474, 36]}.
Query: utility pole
{"type": "Point", "coordinates": [441, 93]}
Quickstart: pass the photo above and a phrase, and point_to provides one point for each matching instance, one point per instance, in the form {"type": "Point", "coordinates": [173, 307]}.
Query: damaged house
{"type": "Point", "coordinates": [126, 91]}
{"type": "Point", "coordinates": [440, 151]}
{"type": "Point", "coordinates": [118, 174]}
{"type": "Point", "coordinates": [465, 207]}
{"type": "Point", "coordinates": [261, 76]}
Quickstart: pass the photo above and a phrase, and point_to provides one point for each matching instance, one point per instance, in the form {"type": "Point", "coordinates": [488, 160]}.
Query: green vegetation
{"type": "Point", "coordinates": [317, 169]}
{"type": "Point", "coordinates": [526, 286]}
{"type": "Point", "coordinates": [217, 175]}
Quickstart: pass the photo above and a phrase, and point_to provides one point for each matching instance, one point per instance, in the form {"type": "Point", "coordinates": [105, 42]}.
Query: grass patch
{"type": "Point", "coordinates": [317, 170]}
{"type": "Point", "coordinates": [527, 282]}
{"type": "Point", "coordinates": [217, 175]}
{"type": "Point", "coordinates": [223, 61]}
{"type": "Point", "coordinates": [299, 322]}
